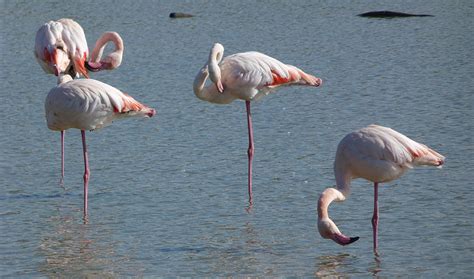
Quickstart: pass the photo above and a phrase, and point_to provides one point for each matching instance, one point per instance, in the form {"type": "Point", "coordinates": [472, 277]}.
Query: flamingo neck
{"type": "Point", "coordinates": [215, 56]}
{"type": "Point", "coordinates": [62, 78]}
{"type": "Point", "coordinates": [340, 193]}
{"type": "Point", "coordinates": [199, 82]}
{"type": "Point", "coordinates": [326, 198]}
{"type": "Point", "coordinates": [114, 58]}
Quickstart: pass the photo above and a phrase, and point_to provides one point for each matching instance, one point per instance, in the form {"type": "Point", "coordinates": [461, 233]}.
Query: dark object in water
{"type": "Point", "coordinates": [180, 15]}
{"type": "Point", "coordinates": [388, 14]}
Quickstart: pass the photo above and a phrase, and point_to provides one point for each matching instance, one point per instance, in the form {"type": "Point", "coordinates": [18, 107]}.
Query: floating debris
{"type": "Point", "coordinates": [388, 14]}
{"type": "Point", "coordinates": [180, 15]}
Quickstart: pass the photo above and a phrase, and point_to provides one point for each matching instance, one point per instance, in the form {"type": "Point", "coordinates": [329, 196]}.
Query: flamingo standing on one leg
{"type": "Point", "coordinates": [88, 104]}
{"type": "Point", "coordinates": [247, 76]}
{"type": "Point", "coordinates": [378, 154]}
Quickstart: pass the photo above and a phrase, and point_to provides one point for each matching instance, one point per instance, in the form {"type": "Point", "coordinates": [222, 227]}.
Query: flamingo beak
{"type": "Point", "coordinates": [341, 239]}
{"type": "Point", "coordinates": [54, 61]}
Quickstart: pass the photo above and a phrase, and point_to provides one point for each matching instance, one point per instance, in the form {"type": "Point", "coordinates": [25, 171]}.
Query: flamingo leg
{"type": "Point", "coordinates": [86, 171]}
{"type": "Point", "coordinates": [375, 217]}
{"type": "Point", "coordinates": [61, 182]}
{"type": "Point", "coordinates": [250, 150]}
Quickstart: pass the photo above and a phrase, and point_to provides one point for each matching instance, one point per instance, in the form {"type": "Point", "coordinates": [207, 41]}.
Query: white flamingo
{"type": "Point", "coordinates": [246, 76]}
{"type": "Point", "coordinates": [61, 47]}
{"type": "Point", "coordinates": [88, 104]}
{"type": "Point", "coordinates": [378, 154]}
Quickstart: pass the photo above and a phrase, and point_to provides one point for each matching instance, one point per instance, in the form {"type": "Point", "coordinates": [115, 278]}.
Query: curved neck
{"type": "Point", "coordinates": [326, 198]}
{"type": "Point", "coordinates": [215, 56]}
{"type": "Point", "coordinates": [98, 50]}
{"type": "Point", "coordinates": [209, 93]}
{"type": "Point", "coordinates": [340, 193]}
{"type": "Point", "coordinates": [62, 78]}
{"type": "Point", "coordinates": [199, 82]}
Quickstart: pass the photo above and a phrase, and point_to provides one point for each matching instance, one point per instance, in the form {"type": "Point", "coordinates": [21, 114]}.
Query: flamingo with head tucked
{"type": "Point", "coordinates": [378, 154]}
{"type": "Point", "coordinates": [246, 76]}
{"type": "Point", "coordinates": [88, 104]}
{"type": "Point", "coordinates": [61, 46]}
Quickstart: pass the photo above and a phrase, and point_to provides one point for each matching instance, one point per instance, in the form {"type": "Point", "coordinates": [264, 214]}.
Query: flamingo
{"type": "Point", "coordinates": [61, 46]}
{"type": "Point", "coordinates": [375, 153]}
{"type": "Point", "coordinates": [246, 76]}
{"type": "Point", "coordinates": [88, 104]}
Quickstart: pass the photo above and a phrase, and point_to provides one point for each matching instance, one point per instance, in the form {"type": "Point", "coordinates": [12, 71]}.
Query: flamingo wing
{"type": "Point", "coordinates": [381, 144]}
{"type": "Point", "coordinates": [257, 70]}
{"type": "Point", "coordinates": [404, 149]}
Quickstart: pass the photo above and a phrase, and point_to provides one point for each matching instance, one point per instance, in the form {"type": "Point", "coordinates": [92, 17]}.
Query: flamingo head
{"type": "Point", "coordinates": [215, 56]}
{"type": "Point", "coordinates": [328, 229]}
{"type": "Point", "coordinates": [57, 59]}
{"type": "Point", "coordinates": [110, 62]}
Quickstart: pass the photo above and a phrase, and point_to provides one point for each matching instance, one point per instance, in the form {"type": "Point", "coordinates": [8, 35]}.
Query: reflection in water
{"type": "Point", "coordinates": [333, 265]}
{"type": "Point", "coordinates": [377, 265]}
{"type": "Point", "coordinates": [342, 265]}
{"type": "Point", "coordinates": [237, 251]}
{"type": "Point", "coordinates": [72, 249]}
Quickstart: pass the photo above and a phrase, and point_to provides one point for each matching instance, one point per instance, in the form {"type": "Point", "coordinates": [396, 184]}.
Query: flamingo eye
{"type": "Point", "coordinates": [60, 47]}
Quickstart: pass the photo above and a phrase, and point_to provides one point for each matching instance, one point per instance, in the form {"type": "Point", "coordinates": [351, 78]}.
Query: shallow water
{"type": "Point", "coordinates": [168, 194]}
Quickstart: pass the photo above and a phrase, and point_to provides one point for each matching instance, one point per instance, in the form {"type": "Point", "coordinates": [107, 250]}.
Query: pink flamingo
{"type": "Point", "coordinates": [61, 47]}
{"type": "Point", "coordinates": [88, 104]}
{"type": "Point", "coordinates": [246, 76]}
{"type": "Point", "coordinates": [378, 154]}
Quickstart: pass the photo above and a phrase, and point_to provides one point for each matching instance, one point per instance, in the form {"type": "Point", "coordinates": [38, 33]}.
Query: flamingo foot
{"type": "Point", "coordinates": [343, 240]}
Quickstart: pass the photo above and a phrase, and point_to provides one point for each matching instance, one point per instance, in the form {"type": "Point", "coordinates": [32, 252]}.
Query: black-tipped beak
{"type": "Point", "coordinates": [353, 239]}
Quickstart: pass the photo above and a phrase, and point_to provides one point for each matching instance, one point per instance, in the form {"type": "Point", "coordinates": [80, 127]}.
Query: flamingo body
{"type": "Point", "coordinates": [89, 104]}
{"type": "Point", "coordinates": [375, 153]}
{"type": "Point", "coordinates": [246, 76]}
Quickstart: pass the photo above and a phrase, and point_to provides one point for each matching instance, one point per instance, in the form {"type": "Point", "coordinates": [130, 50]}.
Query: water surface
{"type": "Point", "coordinates": [168, 194]}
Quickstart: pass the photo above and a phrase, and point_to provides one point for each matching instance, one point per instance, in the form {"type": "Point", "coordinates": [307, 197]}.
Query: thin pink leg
{"type": "Point", "coordinates": [62, 157]}
{"type": "Point", "coordinates": [250, 150]}
{"type": "Point", "coordinates": [375, 217]}
{"type": "Point", "coordinates": [86, 171]}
